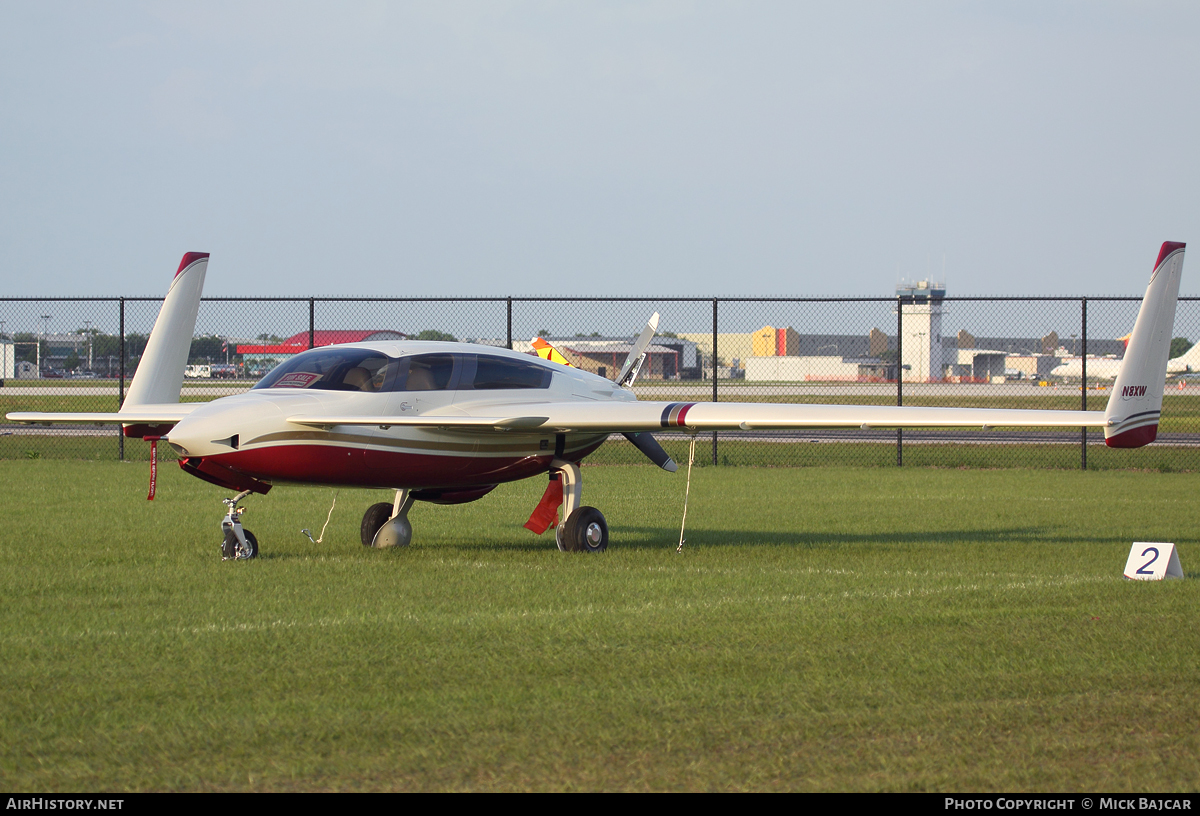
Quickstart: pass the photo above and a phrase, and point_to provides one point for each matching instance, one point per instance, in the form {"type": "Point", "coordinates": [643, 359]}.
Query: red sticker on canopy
{"type": "Point", "coordinates": [297, 380]}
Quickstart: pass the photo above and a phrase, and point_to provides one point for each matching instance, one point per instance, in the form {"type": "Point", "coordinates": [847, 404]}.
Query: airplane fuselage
{"type": "Point", "coordinates": [246, 441]}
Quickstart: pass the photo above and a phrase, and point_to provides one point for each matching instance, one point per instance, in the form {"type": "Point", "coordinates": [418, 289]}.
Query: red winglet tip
{"type": "Point", "coordinates": [1167, 248]}
{"type": "Point", "coordinates": [189, 258]}
{"type": "Point", "coordinates": [1135, 438]}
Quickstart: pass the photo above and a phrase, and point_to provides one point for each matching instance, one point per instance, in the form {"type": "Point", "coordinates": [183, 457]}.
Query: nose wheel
{"type": "Point", "coordinates": [234, 550]}
{"type": "Point", "coordinates": [238, 543]}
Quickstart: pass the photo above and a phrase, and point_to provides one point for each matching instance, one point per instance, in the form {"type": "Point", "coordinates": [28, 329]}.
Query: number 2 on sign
{"type": "Point", "coordinates": [1142, 569]}
{"type": "Point", "coordinates": [1152, 561]}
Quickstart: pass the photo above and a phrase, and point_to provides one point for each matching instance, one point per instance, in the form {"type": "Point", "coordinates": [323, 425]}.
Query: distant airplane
{"type": "Point", "coordinates": [448, 422]}
{"type": "Point", "coordinates": [1107, 368]}
{"type": "Point", "coordinates": [1098, 368]}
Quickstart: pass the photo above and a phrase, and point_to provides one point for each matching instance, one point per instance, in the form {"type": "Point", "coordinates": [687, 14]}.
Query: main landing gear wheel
{"type": "Point", "coordinates": [375, 517]}
{"type": "Point", "coordinates": [585, 530]}
{"type": "Point", "coordinates": [386, 525]}
{"type": "Point", "coordinates": [232, 549]}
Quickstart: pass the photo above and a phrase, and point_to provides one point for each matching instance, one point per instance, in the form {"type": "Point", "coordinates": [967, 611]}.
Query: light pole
{"type": "Point", "coordinates": [87, 324]}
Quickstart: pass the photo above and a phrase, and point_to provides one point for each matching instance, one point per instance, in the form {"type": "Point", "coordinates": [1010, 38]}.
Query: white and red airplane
{"type": "Point", "coordinates": [448, 422]}
{"type": "Point", "coordinates": [1107, 368]}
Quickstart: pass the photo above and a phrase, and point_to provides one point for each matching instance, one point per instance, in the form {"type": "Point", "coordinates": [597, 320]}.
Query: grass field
{"type": "Point", "coordinates": [824, 629]}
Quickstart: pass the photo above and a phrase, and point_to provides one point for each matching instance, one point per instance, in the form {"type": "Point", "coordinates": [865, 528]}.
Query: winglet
{"type": "Point", "coordinates": [189, 258]}
{"type": "Point", "coordinates": [160, 372]}
{"type": "Point", "coordinates": [1131, 417]}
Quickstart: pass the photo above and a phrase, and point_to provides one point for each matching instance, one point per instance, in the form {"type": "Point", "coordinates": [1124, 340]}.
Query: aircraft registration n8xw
{"type": "Point", "coordinates": [448, 422]}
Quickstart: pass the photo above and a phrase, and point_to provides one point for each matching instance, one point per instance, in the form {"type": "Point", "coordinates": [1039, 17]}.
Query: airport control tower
{"type": "Point", "coordinates": [921, 353]}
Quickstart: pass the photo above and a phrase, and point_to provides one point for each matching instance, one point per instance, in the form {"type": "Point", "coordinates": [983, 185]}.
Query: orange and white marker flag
{"type": "Point", "coordinates": [545, 515]}
{"type": "Point", "coordinates": [549, 352]}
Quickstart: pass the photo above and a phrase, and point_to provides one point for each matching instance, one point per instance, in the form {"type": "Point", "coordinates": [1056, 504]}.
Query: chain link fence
{"type": "Point", "coordinates": [919, 348]}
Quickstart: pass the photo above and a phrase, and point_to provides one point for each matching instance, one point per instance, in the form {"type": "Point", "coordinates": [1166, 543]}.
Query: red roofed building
{"type": "Point", "coordinates": [258, 359]}
{"type": "Point", "coordinates": [299, 342]}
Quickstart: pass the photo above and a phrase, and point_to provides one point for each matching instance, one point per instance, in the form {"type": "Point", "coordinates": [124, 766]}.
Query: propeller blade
{"type": "Point", "coordinates": [633, 361]}
{"type": "Point", "coordinates": [648, 445]}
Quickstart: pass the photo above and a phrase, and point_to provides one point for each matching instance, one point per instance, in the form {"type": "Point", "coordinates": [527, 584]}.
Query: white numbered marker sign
{"type": "Point", "coordinates": [1151, 561]}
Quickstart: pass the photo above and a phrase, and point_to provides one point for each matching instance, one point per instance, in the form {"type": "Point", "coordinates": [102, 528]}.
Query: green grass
{"type": "Point", "coordinates": [824, 629]}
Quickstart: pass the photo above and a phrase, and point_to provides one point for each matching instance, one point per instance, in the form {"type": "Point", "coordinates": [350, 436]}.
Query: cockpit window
{"type": "Point", "coordinates": [335, 369]}
{"type": "Point", "coordinates": [492, 372]}
{"type": "Point", "coordinates": [428, 372]}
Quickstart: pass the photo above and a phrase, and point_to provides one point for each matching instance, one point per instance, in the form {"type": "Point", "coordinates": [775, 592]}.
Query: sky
{"type": "Point", "coordinates": [604, 148]}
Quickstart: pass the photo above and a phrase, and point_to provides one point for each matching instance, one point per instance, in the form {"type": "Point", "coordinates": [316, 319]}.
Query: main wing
{"type": "Point", "coordinates": [141, 415]}
{"type": "Point", "coordinates": [632, 417]}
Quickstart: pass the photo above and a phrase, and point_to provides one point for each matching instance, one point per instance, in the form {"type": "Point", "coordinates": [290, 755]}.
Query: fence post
{"type": "Point", "coordinates": [121, 385]}
{"type": "Point", "coordinates": [510, 322]}
{"type": "Point", "coordinates": [312, 322]}
{"type": "Point", "coordinates": [1083, 388]}
{"type": "Point", "coordinates": [899, 375]}
{"type": "Point", "coordinates": [714, 361]}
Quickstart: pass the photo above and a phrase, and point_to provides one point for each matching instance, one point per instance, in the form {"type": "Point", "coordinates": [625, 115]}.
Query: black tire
{"type": "Point", "coordinates": [585, 530]}
{"type": "Point", "coordinates": [229, 545]}
{"type": "Point", "coordinates": [375, 517]}
{"type": "Point", "coordinates": [252, 551]}
{"type": "Point", "coordinates": [232, 550]}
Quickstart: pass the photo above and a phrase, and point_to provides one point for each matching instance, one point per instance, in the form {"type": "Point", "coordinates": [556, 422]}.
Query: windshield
{"type": "Point", "coordinates": [334, 369]}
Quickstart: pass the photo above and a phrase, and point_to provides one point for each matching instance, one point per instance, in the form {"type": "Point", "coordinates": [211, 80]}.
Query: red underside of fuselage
{"type": "Point", "coordinates": [366, 467]}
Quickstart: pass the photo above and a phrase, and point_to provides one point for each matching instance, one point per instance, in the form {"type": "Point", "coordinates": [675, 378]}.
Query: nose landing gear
{"type": "Point", "coordinates": [239, 544]}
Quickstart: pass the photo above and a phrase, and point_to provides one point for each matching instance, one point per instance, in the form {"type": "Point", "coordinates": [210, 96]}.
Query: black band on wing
{"type": "Point", "coordinates": [675, 414]}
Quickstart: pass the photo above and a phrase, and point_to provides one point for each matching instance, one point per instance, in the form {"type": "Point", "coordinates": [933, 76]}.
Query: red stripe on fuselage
{"type": "Point", "coordinates": [367, 467]}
